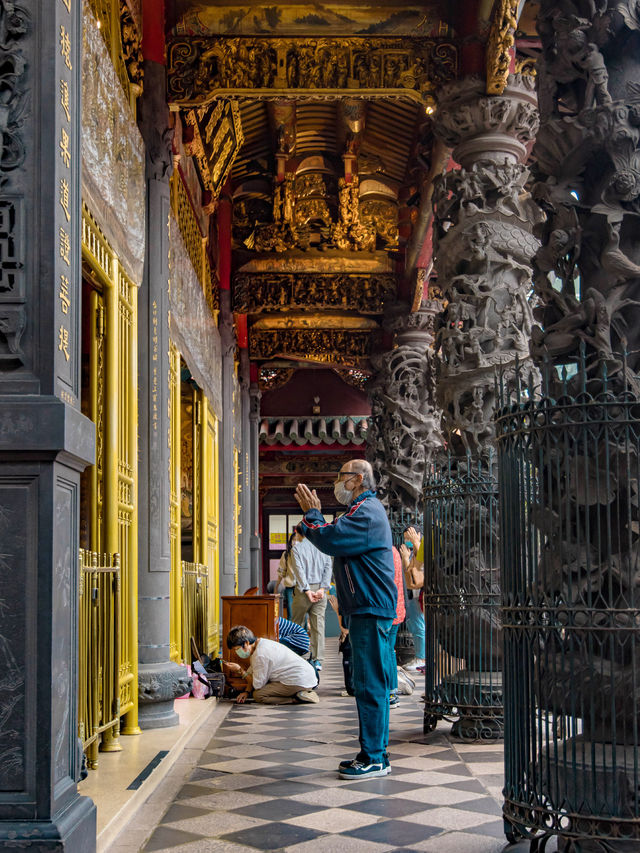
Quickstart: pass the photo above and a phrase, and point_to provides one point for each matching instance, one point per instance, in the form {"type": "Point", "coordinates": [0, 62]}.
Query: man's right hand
{"type": "Point", "coordinates": [405, 555]}
{"type": "Point", "coordinates": [242, 698]}
{"type": "Point", "coordinates": [414, 537]}
{"type": "Point", "coordinates": [311, 595]}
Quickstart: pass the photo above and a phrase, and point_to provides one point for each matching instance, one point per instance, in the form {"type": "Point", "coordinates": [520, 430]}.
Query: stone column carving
{"type": "Point", "coordinates": [483, 244]}
{"type": "Point", "coordinates": [587, 279]}
{"type": "Point", "coordinates": [404, 431]}
{"type": "Point", "coordinates": [45, 441]}
{"type": "Point", "coordinates": [160, 680]}
{"type": "Point", "coordinates": [483, 248]}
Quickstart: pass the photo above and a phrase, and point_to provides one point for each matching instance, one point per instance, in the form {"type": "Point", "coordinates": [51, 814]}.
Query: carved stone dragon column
{"type": "Point", "coordinates": [483, 250]}
{"type": "Point", "coordinates": [588, 283]}
{"type": "Point", "coordinates": [483, 246]}
{"type": "Point", "coordinates": [404, 432]}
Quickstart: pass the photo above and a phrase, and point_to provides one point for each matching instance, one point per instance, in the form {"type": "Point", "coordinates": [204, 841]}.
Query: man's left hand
{"type": "Point", "coordinates": [306, 498]}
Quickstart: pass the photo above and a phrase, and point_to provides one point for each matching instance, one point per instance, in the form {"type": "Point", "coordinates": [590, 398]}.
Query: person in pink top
{"type": "Point", "coordinates": [400, 614]}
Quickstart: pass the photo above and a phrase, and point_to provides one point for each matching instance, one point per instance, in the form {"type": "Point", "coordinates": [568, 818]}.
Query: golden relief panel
{"type": "Point", "coordinates": [213, 136]}
{"type": "Point", "coordinates": [301, 218]}
{"type": "Point", "coordinates": [327, 346]}
{"type": "Point", "coordinates": [367, 294]}
{"type": "Point", "coordinates": [501, 41]}
{"type": "Point", "coordinates": [201, 69]}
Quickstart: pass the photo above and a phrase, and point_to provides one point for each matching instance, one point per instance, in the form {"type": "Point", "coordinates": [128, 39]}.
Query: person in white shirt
{"type": "Point", "coordinates": [312, 572]}
{"type": "Point", "coordinates": [276, 675]}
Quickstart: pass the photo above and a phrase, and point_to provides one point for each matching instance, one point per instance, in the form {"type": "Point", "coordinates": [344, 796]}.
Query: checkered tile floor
{"type": "Point", "coordinates": [267, 781]}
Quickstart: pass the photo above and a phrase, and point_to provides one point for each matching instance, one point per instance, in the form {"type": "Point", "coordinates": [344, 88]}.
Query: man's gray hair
{"type": "Point", "coordinates": [361, 466]}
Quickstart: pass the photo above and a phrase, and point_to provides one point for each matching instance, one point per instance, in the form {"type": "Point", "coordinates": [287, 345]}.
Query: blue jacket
{"type": "Point", "coordinates": [360, 542]}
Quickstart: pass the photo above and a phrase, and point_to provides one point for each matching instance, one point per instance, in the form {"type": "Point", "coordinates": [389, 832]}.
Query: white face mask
{"type": "Point", "coordinates": [342, 494]}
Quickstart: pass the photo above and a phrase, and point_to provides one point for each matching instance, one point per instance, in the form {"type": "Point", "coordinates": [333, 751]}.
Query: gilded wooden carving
{"type": "Point", "coordinates": [272, 378]}
{"type": "Point", "coordinates": [501, 40]}
{"type": "Point", "coordinates": [336, 346]}
{"type": "Point", "coordinates": [131, 38]}
{"type": "Point", "coordinates": [366, 294]}
{"type": "Point", "coordinates": [301, 218]}
{"type": "Point", "coordinates": [213, 136]}
{"type": "Point", "coordinates": [202, 68]}
{"type": "Point", "coordinates": [195, 242]}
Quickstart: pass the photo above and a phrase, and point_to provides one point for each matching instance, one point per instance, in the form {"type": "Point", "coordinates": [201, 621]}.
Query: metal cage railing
{"type": "Point", "coordinates": [195, 607]}
{"type": "Point", "coordinates": [463, 678]}
{"type": "Point", "coordinates": [99, 651]}
{"type": "Point", "coordinates": [570, 518]}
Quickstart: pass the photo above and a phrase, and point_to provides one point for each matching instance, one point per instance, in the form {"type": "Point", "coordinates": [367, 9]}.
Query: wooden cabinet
{"type": "Point", "coordinates": [259, 613]}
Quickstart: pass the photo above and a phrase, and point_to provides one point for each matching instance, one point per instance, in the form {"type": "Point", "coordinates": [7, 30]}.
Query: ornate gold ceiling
{"type": "Point", "coordinates": [329, 107]}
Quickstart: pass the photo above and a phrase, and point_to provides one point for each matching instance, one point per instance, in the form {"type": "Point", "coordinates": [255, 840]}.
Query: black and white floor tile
{"type": "Point", "coordinates": [267, 781]}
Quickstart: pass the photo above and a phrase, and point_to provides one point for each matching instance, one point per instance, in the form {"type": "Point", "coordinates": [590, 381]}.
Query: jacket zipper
{"type": "Point", "coordinates": [348, 573]}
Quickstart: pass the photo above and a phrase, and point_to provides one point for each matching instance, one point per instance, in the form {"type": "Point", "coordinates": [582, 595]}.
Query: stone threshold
{"type": "Point", "coordinates": [124, 781]}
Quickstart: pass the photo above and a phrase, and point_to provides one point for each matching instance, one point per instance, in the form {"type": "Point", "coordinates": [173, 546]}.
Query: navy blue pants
{"type": "Point", "coordinates": [371, 655]}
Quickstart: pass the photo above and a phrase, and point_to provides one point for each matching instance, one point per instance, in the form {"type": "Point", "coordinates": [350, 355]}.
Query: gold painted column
{"type": "Point", "coordinates": [175, 543]}
{"type": "Point", "coordinates": [110, 742]}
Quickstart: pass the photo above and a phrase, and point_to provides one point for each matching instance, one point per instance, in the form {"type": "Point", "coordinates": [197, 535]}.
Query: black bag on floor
{"type": "Point", "coordinates": [347, 666]}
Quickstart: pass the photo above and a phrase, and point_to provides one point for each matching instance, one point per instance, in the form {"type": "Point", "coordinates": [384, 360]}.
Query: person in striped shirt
{"type": "Point", "coordinates": [293, 636]}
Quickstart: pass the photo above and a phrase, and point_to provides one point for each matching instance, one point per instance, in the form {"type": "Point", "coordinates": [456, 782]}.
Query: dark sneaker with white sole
{"type": "Point", "coordinates": [359, 770]}
{"type": "Point", "coordinates": [350, 761]}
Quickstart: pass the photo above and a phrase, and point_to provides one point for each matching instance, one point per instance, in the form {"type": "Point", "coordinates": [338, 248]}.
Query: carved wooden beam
{"type": "Point", "coordinates": [201, 69]}
{"type": "Point", "coordinates": [367, 294]}
{"type": "Point", "coordinates": [343, 347]}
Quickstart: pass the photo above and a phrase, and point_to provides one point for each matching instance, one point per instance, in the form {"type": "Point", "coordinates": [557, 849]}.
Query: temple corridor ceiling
{"type": "Point", "coordinates": [314, 123]}
{"type": "Point", "coordinates": [317, 120]}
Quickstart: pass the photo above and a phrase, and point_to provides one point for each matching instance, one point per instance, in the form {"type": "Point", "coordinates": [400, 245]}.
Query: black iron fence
{"type": "Point", "coordinates": [570, 543]}
{"type": "Point", "coordinates": [462, 599]}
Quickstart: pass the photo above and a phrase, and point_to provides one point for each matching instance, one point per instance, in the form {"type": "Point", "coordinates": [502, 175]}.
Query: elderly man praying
{"type": "Point", "coordinates": [360, 543]}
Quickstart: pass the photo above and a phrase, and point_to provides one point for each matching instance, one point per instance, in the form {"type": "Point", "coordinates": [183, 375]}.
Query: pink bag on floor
{"type": "Point", "coordinates": [200, 687]}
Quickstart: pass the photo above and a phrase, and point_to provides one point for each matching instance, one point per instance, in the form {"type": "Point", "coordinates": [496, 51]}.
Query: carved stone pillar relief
{"type": "Point", "coordinates": [483, 246]}
{"type": "Point", "coordinates": [404, 430]}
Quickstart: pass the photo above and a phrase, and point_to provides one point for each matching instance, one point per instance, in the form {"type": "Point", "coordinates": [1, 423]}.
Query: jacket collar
{"type": "Point", "coordinates": [370, 493]}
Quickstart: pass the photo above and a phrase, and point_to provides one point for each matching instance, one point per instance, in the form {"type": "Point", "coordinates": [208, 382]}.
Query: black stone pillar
{"type": "Point", "coordinates": [160, 680]}
{"type": "Point", "coordinates": [45, 442]}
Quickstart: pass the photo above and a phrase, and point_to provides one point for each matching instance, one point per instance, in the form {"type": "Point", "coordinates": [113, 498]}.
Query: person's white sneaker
{"type": "Point", "coordinates": [307, 696]}
{"type": "Point", "coordinates": [414, 664]}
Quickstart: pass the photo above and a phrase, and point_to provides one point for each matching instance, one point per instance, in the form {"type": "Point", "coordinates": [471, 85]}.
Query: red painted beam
{"type": "Point", "coordinates": [242, 334]}
{"type": "Point", "coordinates": [153, 41]}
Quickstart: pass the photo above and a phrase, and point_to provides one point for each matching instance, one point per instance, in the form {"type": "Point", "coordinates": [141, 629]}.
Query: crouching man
{"type": "Point", "coordinates": [276, 675]}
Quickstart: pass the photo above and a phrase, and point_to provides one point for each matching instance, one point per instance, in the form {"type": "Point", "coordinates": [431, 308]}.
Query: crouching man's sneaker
{"type": "Point", "coordinates": [357, 770]}
{"type": "Point", "coordinates": [307, 696]}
